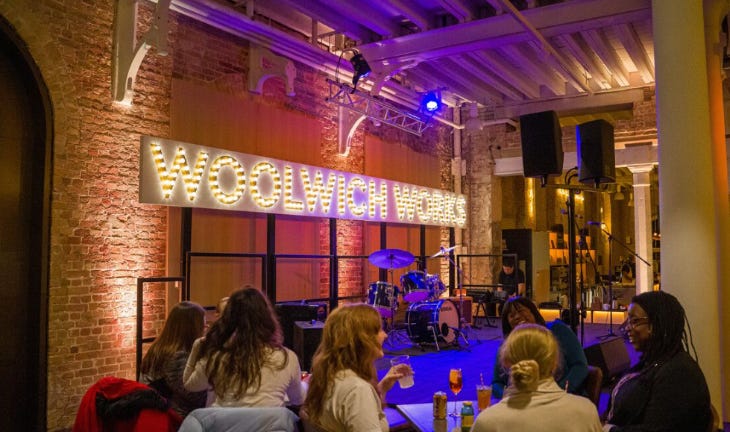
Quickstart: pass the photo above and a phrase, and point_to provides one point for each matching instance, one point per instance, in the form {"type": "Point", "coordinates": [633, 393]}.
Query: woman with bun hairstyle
{"type": "Point", "coordinates": [533, 401]}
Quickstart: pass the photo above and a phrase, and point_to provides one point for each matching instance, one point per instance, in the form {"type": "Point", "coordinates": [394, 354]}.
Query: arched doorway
{"type": "Point", "coordinates": [25, 173]}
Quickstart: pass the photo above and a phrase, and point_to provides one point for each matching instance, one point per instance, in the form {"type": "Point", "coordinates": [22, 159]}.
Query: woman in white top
{"type": "Point", "coordinates": [242, 358]}
{"type": "Point", "coordinates": [533, 401]}
{"type": "Point", "coordinates": [344, 394]}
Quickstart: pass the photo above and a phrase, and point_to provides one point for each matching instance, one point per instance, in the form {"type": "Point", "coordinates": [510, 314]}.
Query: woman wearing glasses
{"type": "Point", "coordinates": [665, 390]}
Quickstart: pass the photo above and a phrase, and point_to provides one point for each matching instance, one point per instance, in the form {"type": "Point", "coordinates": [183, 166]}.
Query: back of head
{"type": "Point", "coordinates": [350, 333]}
{"type": "Point", "coordinates": [667, 319]}
{"type": "Point", "coordinates": [184, 324]}
{"type": "Point", "coordinates": [530, 353]}
{"type": "Point", "coordinates": [237, 344]}
{"type": "Point", "coordinates": [349, 341]}
{"type": "Point", "coordinates": [249, 316]}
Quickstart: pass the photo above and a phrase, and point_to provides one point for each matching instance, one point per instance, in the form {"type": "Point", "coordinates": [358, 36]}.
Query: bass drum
{"type": "Point", "coordinates": [426, 319]}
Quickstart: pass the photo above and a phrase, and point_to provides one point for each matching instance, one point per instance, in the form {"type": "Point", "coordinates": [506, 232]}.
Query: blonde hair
{"type": "Point", "coordinates": [530, 352]}
{"type": "Point", "coordinates": [349, 341]}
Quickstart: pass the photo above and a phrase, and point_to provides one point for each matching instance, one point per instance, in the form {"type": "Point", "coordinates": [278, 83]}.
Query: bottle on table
{"type": "Point", "coordinates": [467, 416]}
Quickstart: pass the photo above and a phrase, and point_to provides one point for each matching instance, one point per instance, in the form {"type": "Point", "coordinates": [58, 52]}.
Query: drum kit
{"type": "Point", "coordinates": [428, 318]}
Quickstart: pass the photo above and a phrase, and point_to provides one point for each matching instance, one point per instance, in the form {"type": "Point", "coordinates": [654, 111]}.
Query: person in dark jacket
{"type": "Point", "coordinates": [666, 390]}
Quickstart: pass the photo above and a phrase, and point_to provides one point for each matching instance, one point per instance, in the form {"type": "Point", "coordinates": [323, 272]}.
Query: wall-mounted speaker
{"type": "Point", "coordinates": [596, 158]}
{"type": "Point", "coordinates": [542, 147]}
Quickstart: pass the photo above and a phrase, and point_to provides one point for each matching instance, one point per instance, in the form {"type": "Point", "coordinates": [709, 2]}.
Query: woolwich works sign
{"type": "Point", "coordinates": [175, 173]}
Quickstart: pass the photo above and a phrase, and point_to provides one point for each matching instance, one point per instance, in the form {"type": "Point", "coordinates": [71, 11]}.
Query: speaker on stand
{"type": "Point", "coordinates": [596, 158]}
{"type": "Point", "coordinates": [542, 147]}
{"type": "Point", "coordinates": [596, 165]}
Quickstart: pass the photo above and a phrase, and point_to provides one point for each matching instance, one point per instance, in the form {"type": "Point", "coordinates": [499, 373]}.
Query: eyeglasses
{"type": "Point", "coordinates": [635, 322]}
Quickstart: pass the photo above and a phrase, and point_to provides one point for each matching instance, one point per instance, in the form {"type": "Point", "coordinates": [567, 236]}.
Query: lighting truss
{"type": "Point", "coordinates": [362, 103]}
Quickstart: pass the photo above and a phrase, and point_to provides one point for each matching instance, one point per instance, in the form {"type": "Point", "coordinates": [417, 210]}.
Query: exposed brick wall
{"type": "Point", "coordinates": [102, 240]}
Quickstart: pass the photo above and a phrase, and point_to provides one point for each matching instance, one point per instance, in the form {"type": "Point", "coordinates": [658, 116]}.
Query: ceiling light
{"type": "Point", "coordinates": [431, 101]}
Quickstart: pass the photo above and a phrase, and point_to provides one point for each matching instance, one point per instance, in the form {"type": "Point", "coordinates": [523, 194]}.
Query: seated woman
{"type": "Point", "coordinates": [573, 369]}
{"type": "Point", "coordinates": [242, 357]}
{"type": "Point", "coordinates": [163, 365]}
{"type": "Point", "coordinates": [534, 401]}
{"type": "Point", "coordinates": [665, 390]}
{"type": "Point", "coordinates": [343, 393]}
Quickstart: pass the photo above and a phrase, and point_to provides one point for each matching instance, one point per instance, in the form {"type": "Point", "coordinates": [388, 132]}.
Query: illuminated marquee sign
{"type": "Point", "coordinates": [175, 173]}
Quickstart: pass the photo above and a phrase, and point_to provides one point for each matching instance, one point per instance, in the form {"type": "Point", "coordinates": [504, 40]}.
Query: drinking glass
{"type": "Point", "coordinates": [455, 384]}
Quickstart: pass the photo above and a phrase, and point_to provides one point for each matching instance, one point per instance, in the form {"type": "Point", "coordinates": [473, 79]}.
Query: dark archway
{"type": "Point", "coordinates": [25, 174]}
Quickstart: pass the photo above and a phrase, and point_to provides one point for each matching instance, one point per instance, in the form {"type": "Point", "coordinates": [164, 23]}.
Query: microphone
{"type": "Point", "coordinates": [600, 224]}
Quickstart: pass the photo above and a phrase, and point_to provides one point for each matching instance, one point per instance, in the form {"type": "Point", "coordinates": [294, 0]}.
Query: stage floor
{"type": "Point", "coordinates": [476, 359]}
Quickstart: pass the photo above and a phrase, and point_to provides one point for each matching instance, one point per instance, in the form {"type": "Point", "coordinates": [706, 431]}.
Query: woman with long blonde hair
{"type": "Point", "coordinates": [344, 394]}
{"type": "Point", "coordinates": [533, 400]}
{"type": "Point", "coordinates": [242, 357]}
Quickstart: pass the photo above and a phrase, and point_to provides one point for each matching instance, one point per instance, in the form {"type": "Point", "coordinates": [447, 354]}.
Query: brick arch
{"type": "Point", "coordinates": [65, 120]}
{"type": "Point", "coordinates": [53, 69]}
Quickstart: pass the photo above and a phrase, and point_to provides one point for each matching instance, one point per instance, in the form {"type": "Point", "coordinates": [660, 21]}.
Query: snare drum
{"type": "Point", "coordinates": [382, 296]}
{"type": "Point", "coordinates": [415, 288]}
{"type": "Point", "coordinates": [425, 320]}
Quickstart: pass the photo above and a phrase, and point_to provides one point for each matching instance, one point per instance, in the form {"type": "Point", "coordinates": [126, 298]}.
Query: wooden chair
{"type": "Point", "coordinates": [593, 384]}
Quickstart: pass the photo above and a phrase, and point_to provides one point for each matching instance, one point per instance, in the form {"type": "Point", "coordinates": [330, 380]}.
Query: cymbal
{"type": "Point", "coordinates": [443, 251]}
{"type": "Point", "coordinates": [391, 258]}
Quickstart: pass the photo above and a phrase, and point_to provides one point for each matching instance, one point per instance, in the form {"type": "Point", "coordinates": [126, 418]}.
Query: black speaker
{"type": "Point", "coordinates": [542, 148]}
{"type": "Point", "coordinates": [307, 335]}
{"type": "Point", "coordinates": [610, 355]}
{"type": "Point", "coordinates": [596, 158]}
{"type": "Point", "coordinates": [290, 312]}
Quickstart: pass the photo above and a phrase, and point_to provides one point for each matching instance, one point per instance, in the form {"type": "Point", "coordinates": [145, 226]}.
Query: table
{"type": "Point", "coordinates": [421, 416]}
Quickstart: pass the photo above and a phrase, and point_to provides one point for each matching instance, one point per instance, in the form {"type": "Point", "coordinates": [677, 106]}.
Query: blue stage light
{"type": "Point", "coordinates": [431, 101]}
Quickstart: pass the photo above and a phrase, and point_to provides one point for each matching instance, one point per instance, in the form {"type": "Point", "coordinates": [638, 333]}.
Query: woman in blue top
{"type": "Point", "coordinates": [573, 367]}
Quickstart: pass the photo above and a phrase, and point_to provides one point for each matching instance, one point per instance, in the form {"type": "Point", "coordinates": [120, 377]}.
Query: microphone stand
{"type": "Point", "coordinates": [611, 238]}
{"type": "Point", "coordinates": [466, 326]}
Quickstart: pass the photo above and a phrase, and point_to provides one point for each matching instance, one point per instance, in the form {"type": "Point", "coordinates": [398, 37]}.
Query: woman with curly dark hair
{"type": "Point", "coordinates": [242, 358]}
{"type": "Point", "coordinates": [666, 390]}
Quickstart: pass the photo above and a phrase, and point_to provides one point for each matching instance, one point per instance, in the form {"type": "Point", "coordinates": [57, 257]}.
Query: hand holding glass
{"type": "Point", "coordinates": [455, 383]}
{"type": "Point", "coordinates": [406, 381]}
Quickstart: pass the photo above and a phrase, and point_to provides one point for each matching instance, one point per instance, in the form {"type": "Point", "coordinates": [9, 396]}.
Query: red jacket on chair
{"type": "Point", "coordinates": [121, 405]}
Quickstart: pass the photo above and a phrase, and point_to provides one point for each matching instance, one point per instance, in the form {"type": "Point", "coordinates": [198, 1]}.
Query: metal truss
{"type": "Point", "coordinates": [376, 109]}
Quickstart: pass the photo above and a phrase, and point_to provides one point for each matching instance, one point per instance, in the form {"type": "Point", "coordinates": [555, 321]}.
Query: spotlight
{"type": "Point", "coordinates": [431, 101]}
{"type": "Point", "coordinates": [362, 68]}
